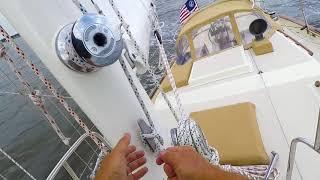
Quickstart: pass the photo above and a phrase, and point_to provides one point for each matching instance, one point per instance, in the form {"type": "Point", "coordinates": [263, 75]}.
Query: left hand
{"type": "Point", "coordinates": [122, 162]}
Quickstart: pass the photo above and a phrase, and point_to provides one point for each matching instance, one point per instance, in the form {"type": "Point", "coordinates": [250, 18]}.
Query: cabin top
{"type": "Point", "coordinates": [219, 26]}
{"type": "Point", "coordinates": [213, 11]}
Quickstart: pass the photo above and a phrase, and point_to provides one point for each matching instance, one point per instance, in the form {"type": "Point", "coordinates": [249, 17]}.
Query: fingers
{"type": "Point", "coordinates": [168, 156]}
{"type": "Point", "coordinates": [136, 164]}
{"type": "Point", "coordinates": [131, 149]}
{"type": "Point", "coordinates": [169, 171]}
{"type": "Point", "coordinates": [134, 156]}
{"type": "Point", "coordinates": [122, 146]}
{"type": "Point", "coordinates": [139, 174]}
{"type": "Point", "coordinates": [159, 161]}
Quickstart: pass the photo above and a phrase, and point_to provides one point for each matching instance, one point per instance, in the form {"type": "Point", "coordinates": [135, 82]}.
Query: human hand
{"type": "Point", "coordinates": [184, 163]}
{"type": "Point", "coordinates": [122, 162]}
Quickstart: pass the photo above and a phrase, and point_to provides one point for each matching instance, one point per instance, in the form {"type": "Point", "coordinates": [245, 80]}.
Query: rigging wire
{"type": "Point", "coordinates": [35, 97]}
{"type": "Point", "coordinates": [90, 159]}
{"type": "Point", "coordinates": [49, 85]}
{"type": "Point", "coordinates": [17, 164]}
{"type": "Point", "coordinates": [301, 38]}
{"type": "Point", "coordinates": [4, 178]}
{"type": "Point", "coordinates": [138, 49]}
{"type": "Point", "coordinates": [17, 93]}
{"type": "Point", "coordinates": [68, 121]}
{"type": "Point", "coordinates": [10, 80]}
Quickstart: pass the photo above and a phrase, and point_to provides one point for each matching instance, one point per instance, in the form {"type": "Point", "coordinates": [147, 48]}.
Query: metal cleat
{"type": "Point", "coordinates": [150, 137]}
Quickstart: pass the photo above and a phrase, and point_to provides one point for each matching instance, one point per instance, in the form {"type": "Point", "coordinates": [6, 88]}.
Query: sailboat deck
{"type": "Point", "coordinates": [285, 96]}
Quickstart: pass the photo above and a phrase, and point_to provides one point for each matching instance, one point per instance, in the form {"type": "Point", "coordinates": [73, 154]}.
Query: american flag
{"type": "Point", "coordinates": [187, 9]}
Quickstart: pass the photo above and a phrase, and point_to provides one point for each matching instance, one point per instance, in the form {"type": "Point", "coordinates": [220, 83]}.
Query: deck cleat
{"type": "Point", "coordinates": [150, 137]}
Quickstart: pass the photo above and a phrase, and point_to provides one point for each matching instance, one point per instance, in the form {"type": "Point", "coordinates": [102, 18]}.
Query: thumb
{"type": "Point", "coordinates": [123, 144]}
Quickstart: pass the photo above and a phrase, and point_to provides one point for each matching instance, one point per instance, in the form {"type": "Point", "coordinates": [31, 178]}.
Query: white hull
{"type": "Point", "coordinates": [105, 96]}
{"type": "Point", "coordinates": [286, 99]}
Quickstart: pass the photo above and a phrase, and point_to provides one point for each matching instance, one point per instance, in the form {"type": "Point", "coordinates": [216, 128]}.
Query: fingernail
{"type": "Point", "coordinates": [126, 135]}
{"type": "Point", "coordinates": [162, 153]}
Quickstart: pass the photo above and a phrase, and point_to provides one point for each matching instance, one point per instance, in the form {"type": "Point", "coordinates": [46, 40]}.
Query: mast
{"type": "Point", "coordinates": [106, 95]}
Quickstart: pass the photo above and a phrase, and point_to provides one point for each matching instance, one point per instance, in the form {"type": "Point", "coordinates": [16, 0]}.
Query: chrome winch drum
{"type": "Point", "coordinates": [90, 43]}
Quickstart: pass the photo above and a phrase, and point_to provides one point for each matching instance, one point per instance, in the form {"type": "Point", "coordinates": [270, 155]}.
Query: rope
{"type": "Point", "coordinates": [195, 134]}
{"type": "Point", "coordinates": [48, 84]}
{"type": "Point", "coordinates": [138, 49]}
{"type": "Point", "coordinates": [183, 115]}
{"type": "Point", "coordinates": [25, 94]}
{"type": "Point", "coordinates": [80, 6]}
{"type": "Point", "coordinates": [17, 164]}
{"type": "Point", "coordinates": [256, 172]}
{"type": "Point", "coordinates": [97, 164]}
{"type": "Point", "coordinates": [37, 99]}
{"type": "Point", "coordinates": [158, 139]}
{"type": "Point", "coordinates": [70, 123]}
{"type": "Point", "coordinates": [97, 7]}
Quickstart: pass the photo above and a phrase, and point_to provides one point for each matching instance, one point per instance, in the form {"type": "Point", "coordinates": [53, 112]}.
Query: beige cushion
{"type": "Point", "coordinates": [181, 74]}
{"type": "Point", "coordinates": [234, 132]}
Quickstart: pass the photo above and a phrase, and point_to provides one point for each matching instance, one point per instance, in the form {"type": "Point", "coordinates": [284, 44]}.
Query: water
{"type": "Point", "coordinates": [25, 134]}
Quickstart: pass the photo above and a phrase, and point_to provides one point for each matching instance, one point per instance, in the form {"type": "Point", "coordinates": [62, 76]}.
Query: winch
{"type": "Point", "coordinates": [89, 43]}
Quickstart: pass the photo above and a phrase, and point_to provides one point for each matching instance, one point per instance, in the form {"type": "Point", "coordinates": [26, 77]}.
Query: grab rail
{"type": "Point", "coordinates": [293, 149]}
{"type": "Point", "coordinates": [72, 149]}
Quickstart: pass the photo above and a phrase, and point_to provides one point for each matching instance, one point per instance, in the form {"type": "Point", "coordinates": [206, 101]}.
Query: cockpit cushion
{"type": "Point", "coordinates": [233, 130]}
{"type": "Point", "coordinates": [181, 74]}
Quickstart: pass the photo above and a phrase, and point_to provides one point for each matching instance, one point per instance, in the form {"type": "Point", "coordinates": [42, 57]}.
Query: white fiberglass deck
{"type": "Point", "coordinates": [230, 63]}
{"type": "Point", "coordinates": [286, 99]}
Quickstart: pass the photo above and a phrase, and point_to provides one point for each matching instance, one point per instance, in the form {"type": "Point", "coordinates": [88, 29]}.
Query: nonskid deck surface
{"type": "Point", "coordinates": [285, 96]}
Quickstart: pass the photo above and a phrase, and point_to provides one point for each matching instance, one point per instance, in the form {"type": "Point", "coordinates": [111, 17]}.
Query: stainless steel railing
{"type": "Point", "coordinates": [293, 149]}
{"type": "Point", "coordinates": [73, 148]}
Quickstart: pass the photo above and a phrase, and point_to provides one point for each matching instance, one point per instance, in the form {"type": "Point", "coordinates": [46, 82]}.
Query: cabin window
{"type": "Point", "coordinates": [183, 51]}
{"type": "Point", "coordinates": [213, 37]}
{"type": "Point", "coordinates": [244, 20]}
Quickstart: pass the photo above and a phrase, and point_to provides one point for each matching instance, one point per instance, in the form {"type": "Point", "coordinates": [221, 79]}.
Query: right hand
{"type": "Point", "coordinates": [184, 163]}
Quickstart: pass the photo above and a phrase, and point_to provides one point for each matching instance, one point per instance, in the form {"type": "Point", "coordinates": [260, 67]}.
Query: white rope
{"type": "Point", "coordinates": [165, 62]}
{"type": "Point", "coordinates": [17, 164]}
{"type": "Point", "coordinates": [193, 133]}
{"type": "Point", "coordinates": [183, 115]}
{"type": "Point", "coordinates": [195, 136]}
{"type": "Point", "coordinates": [136, 46]}
{"type": "Point", "coordinates": [138, 49]}
{"type": "Point", "coordinates": [97, 165]}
